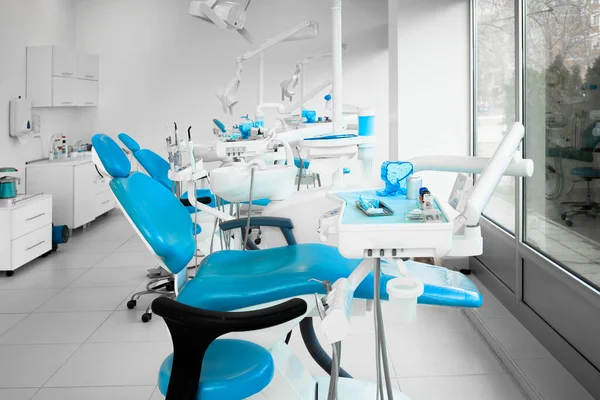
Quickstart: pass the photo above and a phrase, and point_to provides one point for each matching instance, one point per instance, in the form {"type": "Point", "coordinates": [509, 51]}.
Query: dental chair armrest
{"type": "Point", "coordinates": [285, 224]}
{"type": "Point", "coordinates": [206, 200]}
{"type": "Point", "coordinates": [221, 323]}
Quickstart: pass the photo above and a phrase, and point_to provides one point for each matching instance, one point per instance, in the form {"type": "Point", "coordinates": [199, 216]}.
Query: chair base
{"type": "Point", "coordinates": [292, 381]}
{"type": "Point", "coordinates": [163, 286]}
{"type": "Point", "coordinates": [590, 209]}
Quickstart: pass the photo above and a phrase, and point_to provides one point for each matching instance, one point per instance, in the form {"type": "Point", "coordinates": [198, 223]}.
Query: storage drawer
{"type": "Point", "coordinates": [28, 218]}
{"type": "Point", "coordinates": [104, 202]}
{"type": "Point", "coordinates": [30, 246]}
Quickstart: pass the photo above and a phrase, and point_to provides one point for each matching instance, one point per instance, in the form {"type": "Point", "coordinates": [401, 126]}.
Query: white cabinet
{"type": "Point", "coordinates": [60, 77]}
{"type": "Point", "coordinates": [88, 66]}
{"type": "Point", "coordinates": [89, 93]}
{"type": "Point", "coordinates": [25, 231]}
{"type": "Point", "coordinates": [80, 195]}
{"type": "Point", "coordinates": [64, 92]}
{"type": "Point", "coordinates": [64, 62]}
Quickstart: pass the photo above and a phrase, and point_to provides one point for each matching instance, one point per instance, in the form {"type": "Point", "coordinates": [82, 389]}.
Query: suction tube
{"type": "Point", "coordinates": [314, 348]}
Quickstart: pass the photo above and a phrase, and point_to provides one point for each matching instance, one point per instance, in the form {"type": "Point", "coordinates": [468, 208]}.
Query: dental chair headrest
{"type": "Point", "coordinates": [113, 159]}
{"type": "Point", "coordinates": [129, 142]}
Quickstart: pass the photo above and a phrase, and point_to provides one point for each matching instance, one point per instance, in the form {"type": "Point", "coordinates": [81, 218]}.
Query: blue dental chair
{"type": "Point", "coordinates": [230, 280]}
{"type": "Point", "coordinates": [158, 168]}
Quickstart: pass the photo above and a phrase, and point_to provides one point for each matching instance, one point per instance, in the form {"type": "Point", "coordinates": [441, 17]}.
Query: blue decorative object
{"type": "Point", "coordinates": [395, 175]}
{"type": "Point", "coordinates": [310, 115]}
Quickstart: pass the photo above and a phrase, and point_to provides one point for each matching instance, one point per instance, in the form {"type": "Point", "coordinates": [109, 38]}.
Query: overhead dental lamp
{"type": "Point", "coordinates": [228, 95]}
{"type": "Point", "coordinates": [225, 14]}
{"type": "Point", "coordinates": [288, 87]}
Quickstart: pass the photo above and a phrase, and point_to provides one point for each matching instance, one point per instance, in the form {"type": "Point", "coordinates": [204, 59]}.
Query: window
{"type": "Point", "coordinates": [562, 104]}
{"type": "Point", "coordinates": [495, 94]}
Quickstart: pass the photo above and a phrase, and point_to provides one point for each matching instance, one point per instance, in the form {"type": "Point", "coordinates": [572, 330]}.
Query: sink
{"type": "Point", "coordinates": [276, 182]}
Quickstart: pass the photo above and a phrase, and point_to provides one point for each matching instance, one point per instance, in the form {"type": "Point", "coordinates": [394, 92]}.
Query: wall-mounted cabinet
{"type": "Point", "coordinates": [61, 77]}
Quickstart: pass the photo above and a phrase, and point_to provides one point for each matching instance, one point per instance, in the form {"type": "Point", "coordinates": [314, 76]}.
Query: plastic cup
{"type": "Point", "coordinates": [404, 293]}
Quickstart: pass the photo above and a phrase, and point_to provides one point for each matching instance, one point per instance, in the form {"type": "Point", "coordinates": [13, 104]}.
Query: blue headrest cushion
{"type": "Point", "coordinates": [113, 158]}
{"type": "Point", "coordinates": [160, 217]}
{"type": "Point", "coordinates": [156, 166]}
{"type": "Point", "coordinates": [129, 142]}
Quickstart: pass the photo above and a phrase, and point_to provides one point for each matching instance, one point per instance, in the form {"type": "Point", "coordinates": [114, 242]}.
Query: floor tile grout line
{"type": "Point", "coordinates": [72, 354]}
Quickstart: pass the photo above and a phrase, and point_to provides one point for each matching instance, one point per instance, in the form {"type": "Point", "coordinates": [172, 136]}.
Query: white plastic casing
{"type": "Point", "coordinates": [241, 149]}
{"type": "Point", "coordinates": [21, 122]}
{"type": "Point", "coordinates": [336, 324]}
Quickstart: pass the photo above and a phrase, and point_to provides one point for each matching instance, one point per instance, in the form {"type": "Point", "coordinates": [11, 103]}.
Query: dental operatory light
{"type": "Point", "coordinates": [288, 87]}
{"type": "Point", "coordinates": [228, 95]}
{"type": "Point", "coordinates": [225, 14]}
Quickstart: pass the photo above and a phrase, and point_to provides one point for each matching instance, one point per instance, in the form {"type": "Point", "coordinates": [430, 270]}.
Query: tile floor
{"type": "Point", "coordinates": [66, 334]}
{"type": "Point", "coordinates": [547, 375]}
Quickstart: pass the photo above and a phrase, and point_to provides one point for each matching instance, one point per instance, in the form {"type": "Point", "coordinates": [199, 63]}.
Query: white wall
{"type": "Point", "coordinates": [159, 65]}
{"type": "Point", "coordinates": [30, 23]}
{"type": "Point", "coordinates": [433, 88]}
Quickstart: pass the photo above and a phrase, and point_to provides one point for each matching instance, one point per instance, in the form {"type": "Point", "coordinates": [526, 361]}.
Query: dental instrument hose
{"type": "Point", "coordinates": [316, 351]}
{"type": "Point", "coordinates": [247, 232]}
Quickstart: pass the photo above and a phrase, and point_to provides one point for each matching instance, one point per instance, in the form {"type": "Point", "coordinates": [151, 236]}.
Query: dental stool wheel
{"type": "Point", "coordinates": [131, 304]}
{"type": "Point", "coordinates": [10, 273]}
{"type": "Point", "coordinates": [563, 216]}
{"type": "Point", "coordinates": [146, 317]}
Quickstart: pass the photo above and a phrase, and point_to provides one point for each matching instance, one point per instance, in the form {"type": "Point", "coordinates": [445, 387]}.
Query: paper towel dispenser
{"type": "Point", "coordinates": [21, 120]}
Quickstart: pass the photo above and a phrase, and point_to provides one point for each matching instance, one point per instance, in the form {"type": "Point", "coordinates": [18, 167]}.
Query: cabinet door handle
{"type": "Point", "coordinates": [35, 245]}
{"type": "Point", "coordinates": [67, 102]}
{"type": "Point", "coordinates": [105, 202]}
{"type": "Point", "coordinates": [67, 73]}
{"type": "Point", "coordinates": [89, 102]}
{"type": "Point", "coordinates": [35, 217]}
{"type": "Point", "coordinates": [89, 76]}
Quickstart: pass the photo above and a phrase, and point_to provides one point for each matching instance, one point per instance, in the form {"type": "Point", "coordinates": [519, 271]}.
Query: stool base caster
{"type": "Point", "coordinates": [131, 304]}
{"type": "Point", "coordinates": [146, 317]}
{"type": "Point", "coordinates": [10, 273]}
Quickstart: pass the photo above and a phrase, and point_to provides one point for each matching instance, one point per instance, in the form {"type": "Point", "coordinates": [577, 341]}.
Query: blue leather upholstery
{"type": "Point", "coordinates": [231, 369]}
{"type": "Point", "coordinates": [156, 166]}
{"type": "Point", "coordinates": [230, 280]}
{"type": "Point", "coordinates": [159, 216]}
{"type": "Point", "coordinates": [129, 142]}
{"type": "Point", "coordinates": [113, 159]}
{"type": "Point", "coordinates": [586, 172]}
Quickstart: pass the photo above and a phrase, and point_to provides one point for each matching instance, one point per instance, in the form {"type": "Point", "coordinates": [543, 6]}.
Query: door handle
{"type": "Point", "coordinates": [67, 102]}
{"type": "Point", "coordinates": [106, 202]}
{"type": "Point", "coordinates": [35, 245]}
{"type": "Point", "coordinates": [67, 73]}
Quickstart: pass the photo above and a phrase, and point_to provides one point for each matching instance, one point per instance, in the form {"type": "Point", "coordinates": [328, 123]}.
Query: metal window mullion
{"type": "Point", "coordinates": [473, 76]}
{"type": "Point", "coordinates": [520, 102]}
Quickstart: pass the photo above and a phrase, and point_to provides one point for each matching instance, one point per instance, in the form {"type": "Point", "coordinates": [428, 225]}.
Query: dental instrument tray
{"type": "Point", "coordinates": [360, 236]}
{"type": "Point", "coordinates": [386, 211]}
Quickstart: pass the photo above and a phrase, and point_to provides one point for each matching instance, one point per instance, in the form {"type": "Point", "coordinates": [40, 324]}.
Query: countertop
{"type": "Point", "coordinates": [60, 163]}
